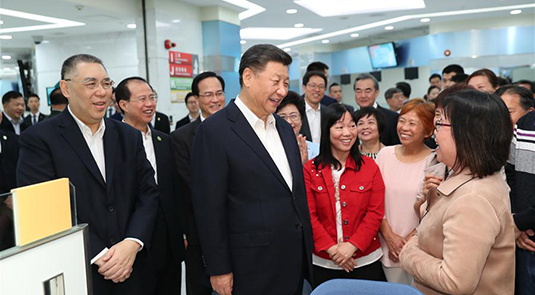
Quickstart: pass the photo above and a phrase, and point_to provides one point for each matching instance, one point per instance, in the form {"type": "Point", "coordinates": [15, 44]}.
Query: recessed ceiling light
{"type": "Point", "coordinates": [425, 20]}
{"type": "Point", "coordinates": [344, 7]}
{"type": "Point", "coordinates": [474, 56]}
{"type": "Point", "coordinates": [291, 11]}
{"type": "Point", "coordinates": [176, 21]}
{"type": "Point", "coordinates": [45, 42]}
{"type": "Point", "coordinates": [51, 22]}
{"type": "Point", "coordinates": [287, 49]}
{"type": "Point", "coordinates": [131, 26]}
{"type": "Point", "coordinates": [325, 41]}
{"type": "Point", "coordinates": [299, 25]}
{"type": "Point", "coordinates": [516, 11]}
{"type": "Point", "coordinates": [6, 56]}
{"type": "Point", "coordinates": [1, 22]}
{"type": "Point", "coordinates": [252, 9]}
{"type": "Point", "coordinates": [7, 69]}
{"type": "Point", "coordinates": [275, 33]}
{"type": "Point", "coordinates": [243, 42]}
{"type": "Point", "coordinates": [389, 28]}
{"type": "Point", "coordinates": [6, 37]}
{"type": "Point", "coordinates": [355, 35]}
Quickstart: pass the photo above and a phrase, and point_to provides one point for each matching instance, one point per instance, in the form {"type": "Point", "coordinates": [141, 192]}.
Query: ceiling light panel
{"type": "Point", "coordinates": [251, 8]}
{"type": "Point", "coordinates": [350, 7]}
{"type": "Point", "coordinates": [52, 22]}
{"type": "Point", "coordinates": [275, 33]}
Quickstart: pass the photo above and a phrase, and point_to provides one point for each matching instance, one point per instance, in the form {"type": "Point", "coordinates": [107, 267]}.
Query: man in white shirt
{"type": "Point", "coordinates": [35, 116]}
{"type": "Point", "coordinates": [13, 105]}
{"type": "Point", "coordinates": [137, 100]}
{"type": "Point", "coordinates": [248, 187]}
{"type": "Point", "coordinates": [106, 162]}
{"type": "Point", "coordinates": [314, 84]}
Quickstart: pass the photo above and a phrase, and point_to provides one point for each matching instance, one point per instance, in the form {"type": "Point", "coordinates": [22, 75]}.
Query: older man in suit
{"type": "Point", "coordinates": [106, 162]}
{"type": "Point", "coordinates": [13, 121]}
{"type": "Point", "coordinates": [138, 103]}
{"type": "Point", "coordinates": [209, 90]}
{"type": "Point", "coordinates": [248, 187]}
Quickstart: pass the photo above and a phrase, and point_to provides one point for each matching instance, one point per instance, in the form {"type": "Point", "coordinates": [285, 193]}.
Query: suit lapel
{"type": "Point", "coordinates": [290, 149]}
{"type": "Point", "coordinates": [75, 139]}
{"type": "Point", "coordinates": [110, 148]}
{"type": "Point", "coordinates": [244, 130]}
{"type": "Point", "coordinates": [158, 152]}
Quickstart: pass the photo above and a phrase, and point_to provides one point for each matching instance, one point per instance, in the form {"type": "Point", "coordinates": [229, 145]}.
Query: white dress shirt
{"type": "Point", "coordinates": [35, 118]}
{"type": "Point", "coordinates": [16, 124]}
{"type": "Point", "coordinates": [269, 136]}
{"type": "Point", "coordinates": [149, 150]}
{"type": "Point", "coordinates": [314, 122]}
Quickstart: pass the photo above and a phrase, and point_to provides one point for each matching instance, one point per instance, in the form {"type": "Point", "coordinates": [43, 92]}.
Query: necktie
{"type": "Point", "coordinates": [34, 119]}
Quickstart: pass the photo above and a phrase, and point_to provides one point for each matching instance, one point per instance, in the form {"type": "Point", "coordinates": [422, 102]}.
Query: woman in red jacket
{"type": "Point", "coordinates": [345, 194]}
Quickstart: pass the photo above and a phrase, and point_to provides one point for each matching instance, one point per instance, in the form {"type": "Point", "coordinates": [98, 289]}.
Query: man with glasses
{"type": "Point", "coordinates": [192, 104]}
{"type": "Point", "coordinates": [314, 84]}
{"type": "Point", "coordinates": [106, 162]}
{"type": "Point", "coordinates": [209, 90]}
{"type": "Point", "coordinates": [137, 100]}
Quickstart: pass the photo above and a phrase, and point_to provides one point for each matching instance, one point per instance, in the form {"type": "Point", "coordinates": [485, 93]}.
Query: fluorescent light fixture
{"type": "Point", "coordinates": [7, 69]}
{"type": "Point", "coordinates": [175, 21]}
{"type": "Point", "coordinates": [6, 37]}
{"type": "Point", "coordinates": [299, 25]}
{"type": "Point", "coordinates": [516, 11]}
{"type": "Point", "coordinates": [275, 33]}
{"type": "Point", "coordinates": [243, 42]}
{"type": "Point", "coordinates": [291, 11]}
{"type": "Point", "coordinates": [1, 22]}
{"type": "Point", "coordinates": [389, 28]}
{"type": "Point", "coordinates": [251, 8]}
{"type": "Point", "coordinates": [325, 41]}
{"type": "Point", "coordinates": [287, 49]}
{"type": "Point", "coordinates": [45, 42]}
{"type": "Point", "coordinates": [474, 56]}
{"type": "Point", "coordinates": [355, 35]}
{"type": "Point", "coordinates": [401, 19]}
{"type": "Point", "coordinates": [131, 26]}
{"type": "Point", "coordinates": [345, 7]}
{"type": "Point", "coordinates": [53, 23]}
{"type": "Point", "coordinates": [6, 56]}
{"type": "Point", "coordinates": [425, 20]}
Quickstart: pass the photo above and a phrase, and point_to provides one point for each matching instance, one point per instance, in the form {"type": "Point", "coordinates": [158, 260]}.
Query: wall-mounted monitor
{"type": "Point", "coordinates": [383, 55]}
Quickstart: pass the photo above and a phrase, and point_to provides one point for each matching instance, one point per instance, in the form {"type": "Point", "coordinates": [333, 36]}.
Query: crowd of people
{"type": "Point", "coordinates": [273, 192]}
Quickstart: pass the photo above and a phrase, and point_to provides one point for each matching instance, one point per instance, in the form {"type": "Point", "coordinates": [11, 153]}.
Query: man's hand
{"type": "Point", "coordinates": [344, 252]}
{"type": "Point", "coordinates": [525, 242]}
{"type": "Point", "coordinates": [116, 264]}
{"type": "Point", "coordinates": [303, 148]}
{"type": "Point", "coordinates": [222, 284]}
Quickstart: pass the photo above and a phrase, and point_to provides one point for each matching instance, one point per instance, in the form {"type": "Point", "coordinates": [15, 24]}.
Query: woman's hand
{"type": "Point", "coordinates": [394, 243]}
{"type": "Point", "coordinates": [431, 182]}
{"type": "Point", "coordinates": [303, 148]}
{"type": "Point", "coordinates": [344, 252]}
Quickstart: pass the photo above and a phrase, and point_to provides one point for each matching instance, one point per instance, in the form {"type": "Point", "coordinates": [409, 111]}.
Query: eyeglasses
{"type": "Point", "coordinates": [211, 95]}
{"type": "Point", "coordinates": [145, 99]}
{"type": "Point", "coordinates": [293, 116]}
{"type": "Point", "coordinates": [314, 86]}
{"type": "Point", "coordinates": [93, 83]}
{"type": "Point", "coordinates": [439, 124]}
{"type": "Point", "coordinates": [367, 91]}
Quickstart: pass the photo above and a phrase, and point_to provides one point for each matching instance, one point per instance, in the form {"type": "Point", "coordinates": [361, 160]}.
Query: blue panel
{"type": "Point", "coordinates": [230, 39]}
{"type": "Point", "coordinates": [354, 60]}
{"type": "Point", "coordinates": [211, 41]}
{"type": "Point", "coordinates": [295, 69]}
{"type": "Point", "coordinates": [232, 85]}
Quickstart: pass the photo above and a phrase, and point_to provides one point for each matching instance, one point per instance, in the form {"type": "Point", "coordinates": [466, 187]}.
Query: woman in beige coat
{"type": "Point", "coordinates": [465, 243]}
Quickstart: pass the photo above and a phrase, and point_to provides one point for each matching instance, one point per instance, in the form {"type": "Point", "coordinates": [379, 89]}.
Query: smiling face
{"type": "Point", "coordinates": [14, 108]}
{"type": "Point", "coordinates": [211, 96]}
{"type": "Point", "coordinates": [88, 105]}
{"type": "Point", "coordinates": [367, 129]}
{"type": "Point", "coordinates": [365, 93]}
{"type": "Point", "coordinates": [343, 134]}
{"type": "Point", "coordinates": [314, 90]}
{"type": "Point", "coordinates": [481, 83]}
{"type": "Point", "coordinates": [287, 113]}
{"type": "Point", "coordinates": [140, 108]}
{"type": "Point", "coordinates": [411, 129]}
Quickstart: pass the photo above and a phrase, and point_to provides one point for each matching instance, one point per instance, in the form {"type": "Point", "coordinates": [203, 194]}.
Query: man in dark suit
{"type": "Point", "coordinates": [314, 84]}
{"type": "Point", "coordinates": [366, 91]}
{"type": "Point", "coordinates": [209, 88]}
{"type": "Point", "coordinates": [106, 162]}
{"type": "Point", "coordinates": [58, 103]}
{"type": "Point", "coordinates": [138, 103]}
{"type": "Point", "coordinates": [35, 115]}
{"type": "Point", "coordinates": [248, 186]}
{"type": "Point", "coordinates": [160, 122]}
{"type": "Point", "coordinates": [13, 121]}
{"type": "Point", "coordinates": [192, 105]}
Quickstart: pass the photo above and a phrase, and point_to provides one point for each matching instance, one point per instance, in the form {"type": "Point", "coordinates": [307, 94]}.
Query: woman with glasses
{"type": "Point", "coordinates": [465, 242]}
{"type": "Point", "coordinates": [292, 109]}
{"type": "Point", "coordinates": [370, 125]}
{"type": "Point", "coordinates": [345, 193]}
{"type": "Point", "coordinates": [402, 167]}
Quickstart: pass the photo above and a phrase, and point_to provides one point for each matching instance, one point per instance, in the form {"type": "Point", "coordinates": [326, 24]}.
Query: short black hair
{"type": "Point", "coordinates": [460, 78]}
{"type": "Point", "coordinates": [332, 114]}
{"type": "Point", "coordinates": [317, 66]}
{"type": "Point", "coordinates": [526, 97]}
{"type": "Point", "coordinates": [448, 91]}
{"type": "Point", "coordinates": [69, 65]}
{"type": "Point", "coordinates": [528, 82]}
{"type": "Point", "coordinates": [379, 117]}
{"type": "Point", "coordinates": [202, 76]}
{"type": "Point", "coordinates": [332, 85]}
{"type": "Point", "coordinates": [57, 97]}
{"type": "Point", "coordinates": [431, 88]}
{"type": "Point", "coordinates": [8, 96]}
{"type": "Point", "coordinates": [468, 108]}
{"type": "Point", "coordinates": [258, 56]}
{"type": "Point", "coordinates": [190, 94]}
{"type": "Point", "coordinates": [293, 98]}
{"type": "Point", "coordinates": [391, 91]}
{"type": "Point", "coordinates": [485, 73]}
{"type": "Point", "coordinates": [123, 93]}
{"type": "Point", "coordinates": [405, 88]}
{"type": "Point", "coordinates": [502, 81]}
{"type": "Point", "coordinates": [435, 75]}
{"type": "Point", "coordinates": [453, 68]}
{"type": "Point", "coordinates": [33, 95]}
{"type": "Point", "coordinates": [311, 74]}
{"type": "Point", "coordinates": [365, 77]}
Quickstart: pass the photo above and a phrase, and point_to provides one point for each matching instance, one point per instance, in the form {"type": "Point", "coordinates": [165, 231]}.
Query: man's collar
{"type": "Point", "coordinates": [250, 116]}
{"type": "Point", "coordinates": [308, 107]}
{"type": "Point", "coordinates": [11, 119]}
{"type": "Point", "coordinates": [83, 126]}
{"type": "Point", "coordinates": [455, 181]}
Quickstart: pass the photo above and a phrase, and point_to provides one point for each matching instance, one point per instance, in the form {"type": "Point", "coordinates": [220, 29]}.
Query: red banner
{"type": "Point", "coordinates": [176, 70]}
{"type": "Point", "coordinates": [180, 58]}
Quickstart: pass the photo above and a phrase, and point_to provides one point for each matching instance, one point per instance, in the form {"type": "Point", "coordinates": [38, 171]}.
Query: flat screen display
{"type": "Point", "coordinates": [383, 55]}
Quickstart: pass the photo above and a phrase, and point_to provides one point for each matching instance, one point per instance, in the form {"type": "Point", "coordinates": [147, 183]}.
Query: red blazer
{"type": "Point", "coordinates": [362, 196]}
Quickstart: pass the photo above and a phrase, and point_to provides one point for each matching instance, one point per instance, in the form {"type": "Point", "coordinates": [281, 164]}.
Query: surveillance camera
{"type": "Point", "coordinates": [37, 39]}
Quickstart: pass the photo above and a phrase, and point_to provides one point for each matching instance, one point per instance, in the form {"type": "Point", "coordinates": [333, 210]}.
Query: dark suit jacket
{"type": "Point", "coordinates": [53, 113]}
{"type": "Point", "coordinates": [168, 229]}
{"type": "Point", "coordinates": [28, 119]}
{"type": "Point", "coordinates": [182, 122]}
{"type": "Point", "coordinates": [9, 156]}
{"type": "Point", "coordinates": [327, 100]}
{"type": "Point", "coordinates": [123, 205]}
{"type": "Point", "coordinates": [182, 139]}
{"type": "Point", "coordinates": [162, 123]}
{"type": "Point", "coordinates": [390, 135]}
{"type": "Point", "coordinates": [117, 116]}
{"type": "Point", "coordinates": [305, 128]}
{"type": "Point", "coordinates": [249, 221]}
{"type": "Point", "coordinates": [7, 126]}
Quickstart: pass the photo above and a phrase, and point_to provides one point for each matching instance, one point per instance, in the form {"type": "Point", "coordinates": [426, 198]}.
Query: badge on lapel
{"type": "Point", "coordinates": [4, 137]}
{"type": "Point", "coordinates": [158, 138]}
